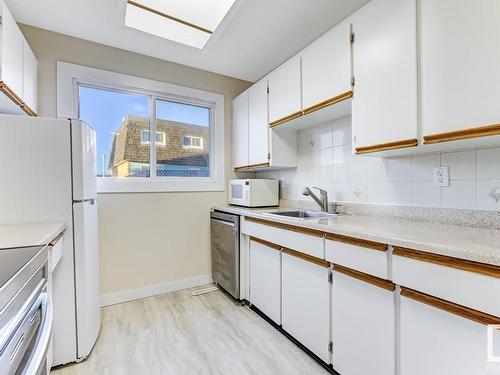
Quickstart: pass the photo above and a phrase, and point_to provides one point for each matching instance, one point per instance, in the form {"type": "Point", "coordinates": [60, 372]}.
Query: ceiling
{"type": "Point", "coordinates": [254, 38]}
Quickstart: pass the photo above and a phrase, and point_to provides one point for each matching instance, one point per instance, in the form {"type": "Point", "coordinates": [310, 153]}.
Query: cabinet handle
{"type": "Point", "coordinates": [306, 257]}
{"type": "Point", "coordinates": [481, 131]}
{"type": "Point", "coordinates": [328, 102]}
{"type": "Point", "coordinates": [356, 241]}
{"type": "Point", "coordinates": [446, 261]}
{"type": "Point", "coordinates": [285, 119]}
{"type": "Point", "coordinates": [387, 146]}
{"type": "Point", "coordinates": [453, 308]}
{"type": "Point", "coordinates": [265, 243]}
{"type": "Point", "coordinates": [289, 227]}
{"type": "Point", "coordinates": [376, 281]}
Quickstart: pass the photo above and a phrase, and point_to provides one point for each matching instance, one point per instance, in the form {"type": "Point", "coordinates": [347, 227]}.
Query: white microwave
{"type": "Point", "coordinates": [254, 192]}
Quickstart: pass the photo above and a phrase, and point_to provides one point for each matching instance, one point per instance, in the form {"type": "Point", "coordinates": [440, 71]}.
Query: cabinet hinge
{"type": "Point", "coordinates": [353, 37]}
{"type": "Point", "coordinates": [268, 90]}
{"type": "Point", "coordinates": [1, 20]}
{"type": "Point", "coordinates": [268, 156]}
{"type": "Point", "coordinates": [330, 347]}
{"type": "Point", "coordinates": [353, 81]}
{"type": "Point", "coordinates": [330, 277]}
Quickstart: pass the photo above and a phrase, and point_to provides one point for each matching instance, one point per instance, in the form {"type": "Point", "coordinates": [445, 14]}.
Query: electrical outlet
{"type": "Point", "coordinates": [441, 176]}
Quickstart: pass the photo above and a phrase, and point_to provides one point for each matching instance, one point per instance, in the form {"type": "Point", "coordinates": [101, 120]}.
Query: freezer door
{"type": "Point", "coordinates": [83, 149]}
{"type": "Point", "coordinates": [88, 313]}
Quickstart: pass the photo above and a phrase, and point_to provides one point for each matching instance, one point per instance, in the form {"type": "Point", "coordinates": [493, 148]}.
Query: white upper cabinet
{"type": "Point", "coordinates": [258, 124]}
{"type": "Point", "coordinates": [240, 130]}
{"type": "Point", "coordinates": [19, 69]}
{"type": "Point", "coordinates": [12, 53]}
{"type": "Point", "coordinates": [460, 74]}
{"type": "Point", "coordinates": [326, 67]}
{"type": "Point", "coordinates": [30, 78]}
{"type": "Point", "coordinates": [285, 98]}
{"type": "Point", "coordinates": [384, 106]}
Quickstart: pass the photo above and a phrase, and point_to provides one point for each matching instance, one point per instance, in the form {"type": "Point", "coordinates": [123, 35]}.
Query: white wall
{"type": "Point", "coordinates": [145, 239]}
{"type": "Point", "coordinates": [326, 160]}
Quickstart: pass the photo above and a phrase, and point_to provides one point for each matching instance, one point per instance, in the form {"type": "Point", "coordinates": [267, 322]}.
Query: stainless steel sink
{"type": "Point", "coordinates": [299, 214]}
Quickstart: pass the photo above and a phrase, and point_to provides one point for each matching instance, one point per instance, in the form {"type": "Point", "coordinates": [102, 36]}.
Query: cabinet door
{"type": "Point", "coordinates": [384, 106]}
{"type": "Point", "coordinates": [12, 53]}
{"type": "Point", "coordinates": [265, 279]}
{"type": "Point", "coordinates": [306, 304]}
{"type": "Point", "coordinates": [285, 92]}
{"type": "Point", "coordinates": [258, 124]}
{"type": "Point", "coordinates": [436, 342]}
{"type": "Point", "coordinates": [30, 78]}
{"type": "Point", "coordinates": [326, 67]}
{"type": "Point", "coordinates": [460, 56]}
{"type": "Point", "coordinates": [363, 327]}
{"type": "Point", "coordinates": [240, 130]}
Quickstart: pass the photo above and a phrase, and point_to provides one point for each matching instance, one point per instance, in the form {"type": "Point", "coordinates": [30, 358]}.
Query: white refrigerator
{"type": "Point", "coordinates": [48, 173]}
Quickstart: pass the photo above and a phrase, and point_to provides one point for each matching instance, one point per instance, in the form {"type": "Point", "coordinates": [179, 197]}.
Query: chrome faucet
{"type": "Point", "coordinates": [322, 201]}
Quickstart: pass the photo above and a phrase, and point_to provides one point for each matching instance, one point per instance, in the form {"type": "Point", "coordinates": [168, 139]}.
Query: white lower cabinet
{"type": "Point", "coordinates": [363, 327]}
{"type": "Point", "coordinates": [436, 342]}
{"type": "Point", "coordinates": [265, 278]}
{"type": "Point", "coordinates": [306, 303]}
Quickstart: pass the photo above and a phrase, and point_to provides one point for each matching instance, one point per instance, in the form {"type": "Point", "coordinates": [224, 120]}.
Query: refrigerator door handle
{"type": "Point", "coordinates": [91, 201]}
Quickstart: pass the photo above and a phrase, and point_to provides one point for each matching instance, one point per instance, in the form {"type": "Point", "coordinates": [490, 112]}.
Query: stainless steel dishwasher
{"type": "Point", "coordinates": [225, 238]}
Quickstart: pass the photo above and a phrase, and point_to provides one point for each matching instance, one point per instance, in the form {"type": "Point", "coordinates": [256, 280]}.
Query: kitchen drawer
{"type": "Point", "coordinates": [466, 283]}
{"type": "Point", "coordinates": [365, 256]}
{"type": "Point", "coordinates": [304, 240]}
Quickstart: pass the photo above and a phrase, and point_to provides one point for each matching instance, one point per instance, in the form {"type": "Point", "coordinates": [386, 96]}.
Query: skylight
{"type": "Point", "coordinates": [190, 22]}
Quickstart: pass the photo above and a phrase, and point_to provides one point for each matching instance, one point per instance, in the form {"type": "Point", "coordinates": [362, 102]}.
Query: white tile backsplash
{"type": "Point", "coordinates": [325, 160]}
{"type": "Point", "coordinates": [488, 163]}
{"type": "Point", "coordinates": [460, 194]}
{"type": "Point", "coordinates": [422, 167]}
{"type": "Point", "coordinates": [462, 165]}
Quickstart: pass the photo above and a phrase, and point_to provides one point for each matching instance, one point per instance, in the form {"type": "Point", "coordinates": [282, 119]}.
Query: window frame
{"type": "Point", "coordinates": [71, 76]}
{"type": "Point", "coordinates": [158, 143]}
{"type": "Point", "coordinates": [190, 146]}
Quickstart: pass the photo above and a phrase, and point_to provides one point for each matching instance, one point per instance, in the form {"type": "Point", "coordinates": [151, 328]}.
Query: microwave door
{"type": "Point", "coordinates": [237, 193]}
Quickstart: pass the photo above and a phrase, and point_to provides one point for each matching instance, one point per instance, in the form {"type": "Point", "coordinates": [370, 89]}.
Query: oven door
{"type": "Point", "coordinates": [27, 351]}
{"type": "Point", "coordinates": [238, 193]}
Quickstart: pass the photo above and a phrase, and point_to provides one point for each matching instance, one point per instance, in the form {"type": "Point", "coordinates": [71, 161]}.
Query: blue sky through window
{"type": "Point", "coordinates": [104, 110]}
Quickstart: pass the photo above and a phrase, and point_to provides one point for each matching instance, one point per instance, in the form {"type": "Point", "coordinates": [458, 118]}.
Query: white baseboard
{"type": "Point", "coordinates": [154, 290]}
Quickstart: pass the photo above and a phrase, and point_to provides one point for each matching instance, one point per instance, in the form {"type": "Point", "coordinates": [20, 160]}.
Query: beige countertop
{"type": "Point", "coordinates": [26, 235]}
{"type": "Point", "coordinates": [469, 243]}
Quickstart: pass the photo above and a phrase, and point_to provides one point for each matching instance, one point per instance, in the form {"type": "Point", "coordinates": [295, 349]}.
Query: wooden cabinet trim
{"type": "Point", "coordinates": [481, 131]}
{"type": "Point", "coordinates": [446, 261]}
{"type": "Point", "coordinates": [265, 243]}
{"type": "Point", "coordinates": [15, 98]}
{"type": "Point", "coordinates": [356, 242]}
{"type": "Point", "coordinates": [376, 281]}
{"type": "Point", "coordinates": [328, 102]}
{"type": "Point", "coordinates": [293, 228]}
{"type": "Point", "coordinates": [387, 146]}
{"type": "Point", "coordinates": [282, 120]}
{"type": "Point", "coordinates": [306, 257]}
{"type": "Point", "coordinates": [453, 308]}
{"type": "Point", "coordinates": [244, 167]}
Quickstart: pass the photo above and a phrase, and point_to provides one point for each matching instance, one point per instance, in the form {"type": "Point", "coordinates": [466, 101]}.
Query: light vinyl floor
{"type": "Point", "coordinates": [178, 334]}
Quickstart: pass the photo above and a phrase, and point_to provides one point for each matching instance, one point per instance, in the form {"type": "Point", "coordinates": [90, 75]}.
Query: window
{"type": "Point", "coordinates": [160, 138]}
{"type": "Point", "coordinates": [192, 142]}
{"type": "Point", "coordinates": [187, 152]}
